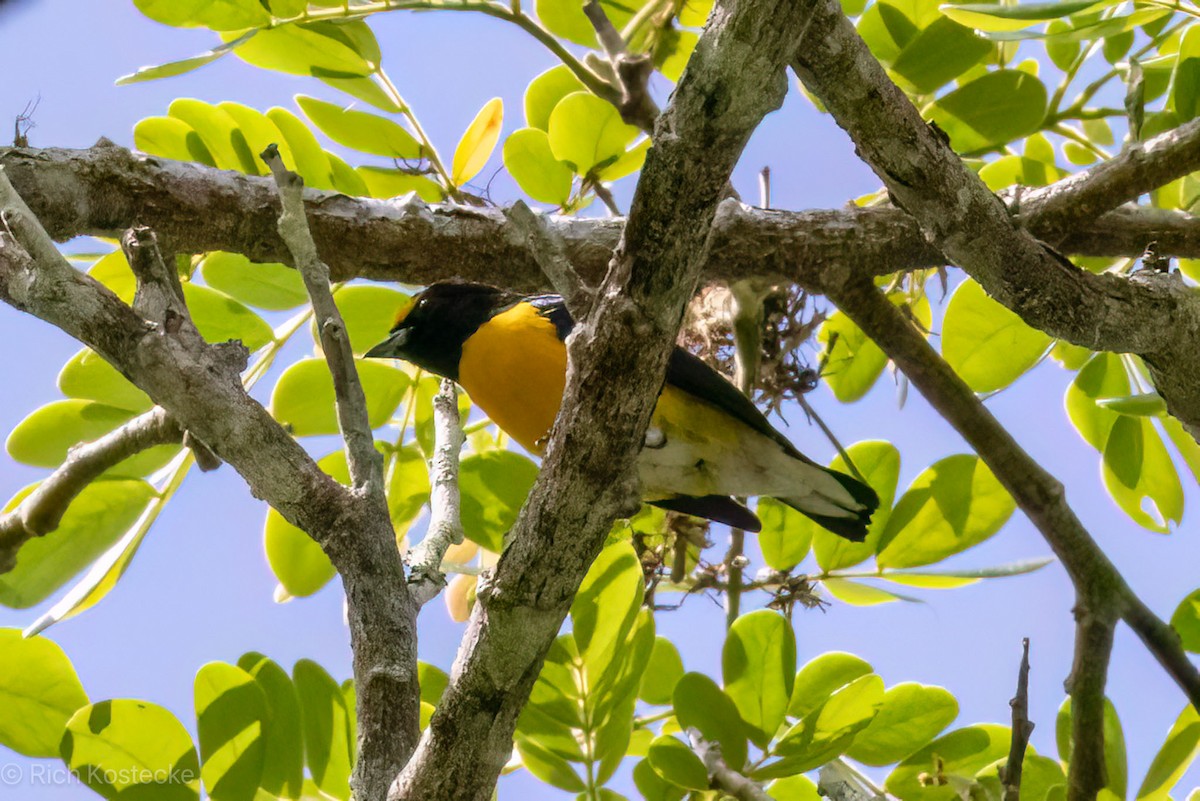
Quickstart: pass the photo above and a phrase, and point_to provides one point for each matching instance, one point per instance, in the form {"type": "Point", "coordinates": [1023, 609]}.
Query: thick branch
{"type": "Point", "coordinates": [617, 359]}
{"type": "Point", "coordinates": [1087, 775]}
{"type": "Point", "coordinates": [43, 510]}
{"type": "Point", "coordinates": [974, 229]}
{"type": "Point", "coordinates": [1038, 494]}
{"type": "Point", "coordinates": [200, 386]}
{"type": "Point", "coordinates": [104, 190]}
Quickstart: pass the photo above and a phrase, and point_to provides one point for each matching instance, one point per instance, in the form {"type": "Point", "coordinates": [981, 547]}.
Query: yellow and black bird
{"type": "Point", "coordinates": [707, 441]}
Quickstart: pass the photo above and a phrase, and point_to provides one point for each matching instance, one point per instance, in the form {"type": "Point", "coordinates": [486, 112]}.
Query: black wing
{"type": "Point", "coordinates": [689, 374]}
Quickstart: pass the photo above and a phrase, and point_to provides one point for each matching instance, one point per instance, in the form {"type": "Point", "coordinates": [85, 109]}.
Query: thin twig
{"type": "Point", "coordinates": [365, 463]}
{"type": "Point", "coordinates": [1022, 728]}
{"type": "Point", "coordinates": [722, 776]}
{"type": "Point", "coordinates": [548, 250]}
{"type": "Point", "coordinates": [445, 519]}
{"type": "Point", "coordinates": [610, 38]}
{"type": "Point", "coordinates": [42, 511]}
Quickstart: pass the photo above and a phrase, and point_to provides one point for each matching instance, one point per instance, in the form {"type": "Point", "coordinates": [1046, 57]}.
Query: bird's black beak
{"type": "Point", "coordinates": [390, 348]}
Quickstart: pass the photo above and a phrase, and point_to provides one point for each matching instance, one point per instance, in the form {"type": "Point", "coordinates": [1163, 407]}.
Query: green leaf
{"type": "Point", "coordinates": [220, 318]}
{"type": "Point", "coordinates": [219, 133]}
{"type": "Point", "coordinates": [494, 486]}
{"type": "Point", "coordinates": [408, 487]}
{"type": "Point", "coordinates": [1140, 475]}
{"type": "Point", "coordinates": [528, 158]}
{"type": "Point", "coordinates": [630, 162]}
{"type": "Point", "coordinates": [219, 15]}
{"type": "Point", "coordinates": [366, 89]}
{"type": "Point", "coordinates": [477, 142]}
{"type": "Point", "coordinates": [820, 677]}
{"type": "Point", "coordinates": [296, 560]}
{"type": "Point", "coordinates": [231, 715]}
{"type": "Point", "coordinates": [654, 787]}
{"type": "Point", "coordinates": [549, 767]}
{"type": "Point", "coordinates": [172, 139]}
{"type": "Point", "coordinates": [132, 749]}
{"type": "Point", "coordinates": [434, 682]}
{"type": "Point", "coordinates": [309, 159]}
{"type": "Point", "coordinates": [43, 438]}
{"type": "Point", "coordinates": [1185, 80]}
{"type": "Point", "coordinates": [939, 54]}
{"type": "Point", "coordinates": [1186, 621]}
{"type": "Point", "coordinates": [879, 463]}
{"type": "Point", "coordinates": [604, 611]}
{"type": "Point", "coordinates": [758, 663]}
{"type": "Point", "coordinates": [587, 132]}
{"type": "Point", "coordinates": [184, 65]}
{"type": "Point", "coordinates": [961, 754]}
{"type": "Point", "coordinates": [910, 717]}
{"type": "Point", "coordinates": [954, 504]}
{"type": "Point", "coordinates": [95, 519]}
{"type": "Point", "coordinates": [39, 690]}
{"type": "Point", "coordinates": [303, 398]}
{"type": "Point", "coordinates": [1145, 404]}
{"type": "Point", "coordinates": [663, 672]}
{"type": "Point", "coordinates": [324, 49]}
{"type": "Point", "coordinates": [827, 731]}
{"type": "Point", "coordinates": [369, 312]}
{"type": "Point", "coordinates": [113, 271]}
{"type": "Point", "coordinates": [1009, 170]}
{"type": "Point", "coordinates": [360, 130]}
{"type": "Point", "coordinates": [566, 19]}
{"type": "Point", "coordinates": [274, 287]}
{"type": "Point", "coordinates": [283, 760]}
{"type": "Point", "coordinates": [701, 704]}
{"type": "Point", "coordinates": [951, 579]}
{"type": "Point", "coordinates": [987, 344]}
{"type": "Point", "coordinates": [544, 92]}
{"type": "Point", "coordinates": [1102, 377]}
{"type": "Point", "coordinates": [994, 109]}
{"type": "Point", "coordinates": [1173, 758]}
{"type": "Point", "coordinates": [794, 788]}
{"type": "Point", "coordinates": [855, 362]}
{"type": "Point", "coordinates": [386, 183]}
{"type": "Point", "coordinates": [1116, 764]}
{"type": "Point", "coordinates": [328, 728]}
{"type": "Point", "coordinates": [786, 534]}
{"type": "Point", "coordinates": [993, 17]}
{"type": "Point", "coordinates": [677, 763]}
{"type": "Point", "coordinates": [857, 593]}
{"type": "Point", "coordinates": [88, 376]}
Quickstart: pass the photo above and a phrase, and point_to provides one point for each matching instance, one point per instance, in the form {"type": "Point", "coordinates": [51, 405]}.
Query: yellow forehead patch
{"type": "Point", "coordinates": [404, 312]}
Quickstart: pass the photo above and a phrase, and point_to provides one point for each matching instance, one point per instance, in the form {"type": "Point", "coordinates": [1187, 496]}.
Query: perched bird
{"type": "Point", "coordinates": [706, 442]}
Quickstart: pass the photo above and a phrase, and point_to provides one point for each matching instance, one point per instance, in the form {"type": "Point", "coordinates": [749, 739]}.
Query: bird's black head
{"type": "Point", "coordinates": [430, 331]}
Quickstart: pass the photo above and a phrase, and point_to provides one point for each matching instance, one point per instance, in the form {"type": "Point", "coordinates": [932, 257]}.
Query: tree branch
{"type": "Point", "coordinates": [1087, 775]}
{"type": "Point", "coordinates": [364, 462]}
{"type": "Point", "coordinates": [104, 190]}
{"type": "Point", "coordinates": [617, 358]}
{"type": "Point", "coordinates": [1022, 728]}
{"type": "Point", "coordinates": [720, 774]}
{"type": "Point", "coordinates": [974, 229]}
{"type": "Point", "coordinates": [42, 511]}
{"type": "Point", "coordinates": [445, 518]}
{"type": "Point", "coordinates": [200, 386]}
{"type": "Point", "coordinates": [1038, 494]}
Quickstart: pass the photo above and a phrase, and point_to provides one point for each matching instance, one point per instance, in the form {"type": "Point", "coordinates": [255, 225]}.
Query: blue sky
{"type": "Point", "coordinates": [200, 589]}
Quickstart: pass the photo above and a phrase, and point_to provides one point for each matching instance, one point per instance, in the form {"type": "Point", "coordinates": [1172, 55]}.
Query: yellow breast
{"type": "Point", "coordinates": [515, 369]}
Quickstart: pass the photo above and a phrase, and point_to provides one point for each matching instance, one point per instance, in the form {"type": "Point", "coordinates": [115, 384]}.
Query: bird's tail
{"type": "Point", "coordinates": [835, 501]}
